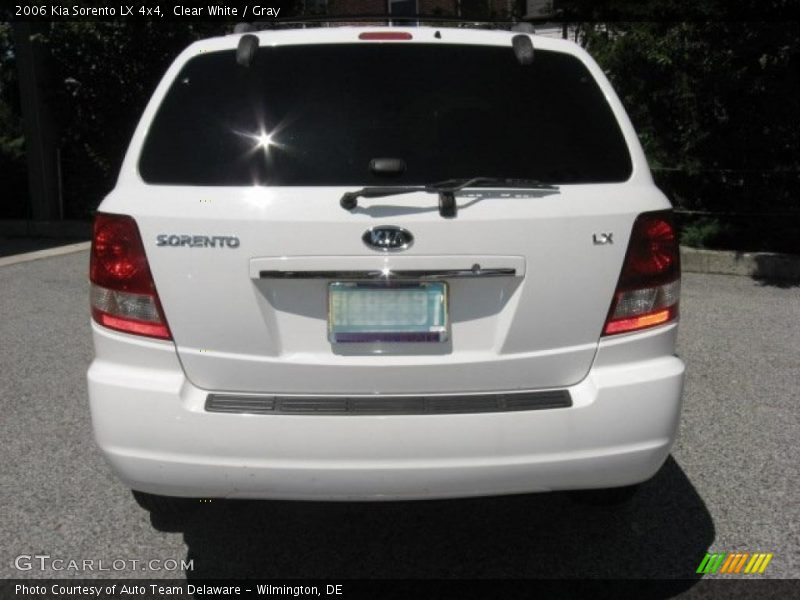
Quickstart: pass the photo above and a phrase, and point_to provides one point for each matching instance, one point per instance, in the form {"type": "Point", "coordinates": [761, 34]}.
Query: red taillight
{"type": "Point", "coordinates": [384, 35]}
{"type": "Point", "coordinates": [649, 284]}
{"type": "Point", "coordinates": [123, 295]}
{"type": "Point", "coordinates": [652, 250]}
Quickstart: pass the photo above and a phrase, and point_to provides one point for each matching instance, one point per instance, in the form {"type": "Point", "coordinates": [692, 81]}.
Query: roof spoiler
{"type": "Point", "coordinates": [248, 44]}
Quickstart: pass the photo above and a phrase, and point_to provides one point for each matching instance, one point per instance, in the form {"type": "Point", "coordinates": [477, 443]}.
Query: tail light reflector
{"type": "Point", "coordinates": [649, 285]}
{"type": "Point", "coordinates": [123, 294]}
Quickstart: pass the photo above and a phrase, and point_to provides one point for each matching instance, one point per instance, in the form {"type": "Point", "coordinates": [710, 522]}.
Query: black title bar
{"type": "Point", "coordinates": [267, 11]}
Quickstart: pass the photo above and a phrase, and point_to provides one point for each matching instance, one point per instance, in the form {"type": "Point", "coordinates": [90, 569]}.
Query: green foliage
{"type": "Point", "coordinates": [12, 142]}
{"type": "Point", "coordinates": [101, 76]}
{"type": "Point", "coordinates": [13, 171]}
{"type": "Point", "coordinates": [702, 233]}
{"type": "Point", "coordinates": [719, 102]}
{"type": "Point", "coordinates": [746, 233]}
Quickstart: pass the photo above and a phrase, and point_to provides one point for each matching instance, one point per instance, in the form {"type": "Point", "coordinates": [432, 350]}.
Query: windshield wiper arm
{"type": "Point", "coordinates": [446, 190]}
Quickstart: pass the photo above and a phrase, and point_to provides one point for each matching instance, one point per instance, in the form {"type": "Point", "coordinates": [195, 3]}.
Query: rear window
{"type": "Point", "coordinates": [317, 115]}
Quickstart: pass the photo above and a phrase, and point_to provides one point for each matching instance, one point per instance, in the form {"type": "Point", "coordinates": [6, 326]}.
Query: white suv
{"type": "Point", "coordinates": [370, 263]}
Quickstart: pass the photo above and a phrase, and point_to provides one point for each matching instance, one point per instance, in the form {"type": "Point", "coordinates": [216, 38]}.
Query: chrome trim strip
{"type": "Point", "coordinates": [380, 275]}
{"type": "Point", "coordinates": [387, 405]}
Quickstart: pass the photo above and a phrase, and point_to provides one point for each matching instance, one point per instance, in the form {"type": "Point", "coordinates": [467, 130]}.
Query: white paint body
{"type": "Point", "coordinates": [234, 332]}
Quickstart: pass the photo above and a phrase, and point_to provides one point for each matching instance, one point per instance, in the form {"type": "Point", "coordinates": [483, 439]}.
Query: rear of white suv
{"type": "Point", "coordinates": [360, 263]}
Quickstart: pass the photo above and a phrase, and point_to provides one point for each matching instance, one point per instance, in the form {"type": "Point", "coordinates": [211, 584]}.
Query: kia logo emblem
{"type": "Point", "coordinates": [388, 238]}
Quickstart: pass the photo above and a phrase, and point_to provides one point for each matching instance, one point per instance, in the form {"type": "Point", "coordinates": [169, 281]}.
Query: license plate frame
{"type": "Point", "coordinates": [348, 301]}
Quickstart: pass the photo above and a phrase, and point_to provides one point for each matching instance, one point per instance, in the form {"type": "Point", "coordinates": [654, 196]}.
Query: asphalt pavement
{"type": "Point", "coordinates": [731, 484]}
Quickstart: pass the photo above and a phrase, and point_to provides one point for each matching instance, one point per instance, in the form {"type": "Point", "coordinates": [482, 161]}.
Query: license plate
{"type": "Point", "coordinates": [359, 313]}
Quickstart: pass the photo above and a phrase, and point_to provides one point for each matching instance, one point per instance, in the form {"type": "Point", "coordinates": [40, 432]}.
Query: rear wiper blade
{"type": "Point", "coordinates": [509, 182]}
{"type": "Point", "coordinates": [446, 190]}
{"type": "Point", "coordinates": [349, 200]}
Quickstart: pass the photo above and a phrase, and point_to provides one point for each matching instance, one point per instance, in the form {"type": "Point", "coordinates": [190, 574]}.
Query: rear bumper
{"type": "Point", "coordinates": [152, 426]}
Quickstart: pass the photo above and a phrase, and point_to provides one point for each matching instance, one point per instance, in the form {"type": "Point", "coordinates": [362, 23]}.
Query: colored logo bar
{"type": "Point", "coordinates": [735, 563]}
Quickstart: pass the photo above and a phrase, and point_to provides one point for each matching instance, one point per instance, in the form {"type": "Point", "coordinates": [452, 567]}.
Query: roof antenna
{"type": "Point", "coordinates": [246, 50]}
{"type": "Point", "coordinates": [523, 48]}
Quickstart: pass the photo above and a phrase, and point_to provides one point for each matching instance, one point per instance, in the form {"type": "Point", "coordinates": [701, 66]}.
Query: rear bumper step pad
{"type": "Point", "coordinates": [387, 405]}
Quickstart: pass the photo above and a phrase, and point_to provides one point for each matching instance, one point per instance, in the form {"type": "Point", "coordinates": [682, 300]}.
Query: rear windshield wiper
{"type": "Point", "coordinates": [446, 190]}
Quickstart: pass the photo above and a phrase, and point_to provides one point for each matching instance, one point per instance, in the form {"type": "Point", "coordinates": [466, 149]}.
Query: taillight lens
{"type": "Point", "coordinates": [123, 295]}
{"type": "Point", "coordinates": [649, 284]}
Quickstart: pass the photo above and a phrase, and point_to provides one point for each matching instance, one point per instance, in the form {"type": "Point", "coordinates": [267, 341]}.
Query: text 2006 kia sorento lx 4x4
{"type": "Point", "coordinates": [360, 263]}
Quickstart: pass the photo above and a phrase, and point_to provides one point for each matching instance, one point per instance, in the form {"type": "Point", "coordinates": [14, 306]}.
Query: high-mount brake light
{"type": "Point", "coordinates": [123, 294]}
{"type": "Point", "coordinates": [385, 35]}
{"type": "Point", "coordinates": [649, 285]}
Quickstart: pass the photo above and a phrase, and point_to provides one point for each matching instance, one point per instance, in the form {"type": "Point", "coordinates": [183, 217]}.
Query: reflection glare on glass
{"type": "Point", "coordinates": [261, 143]}
{"type": "Point", "coordinates": [263, 139]}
